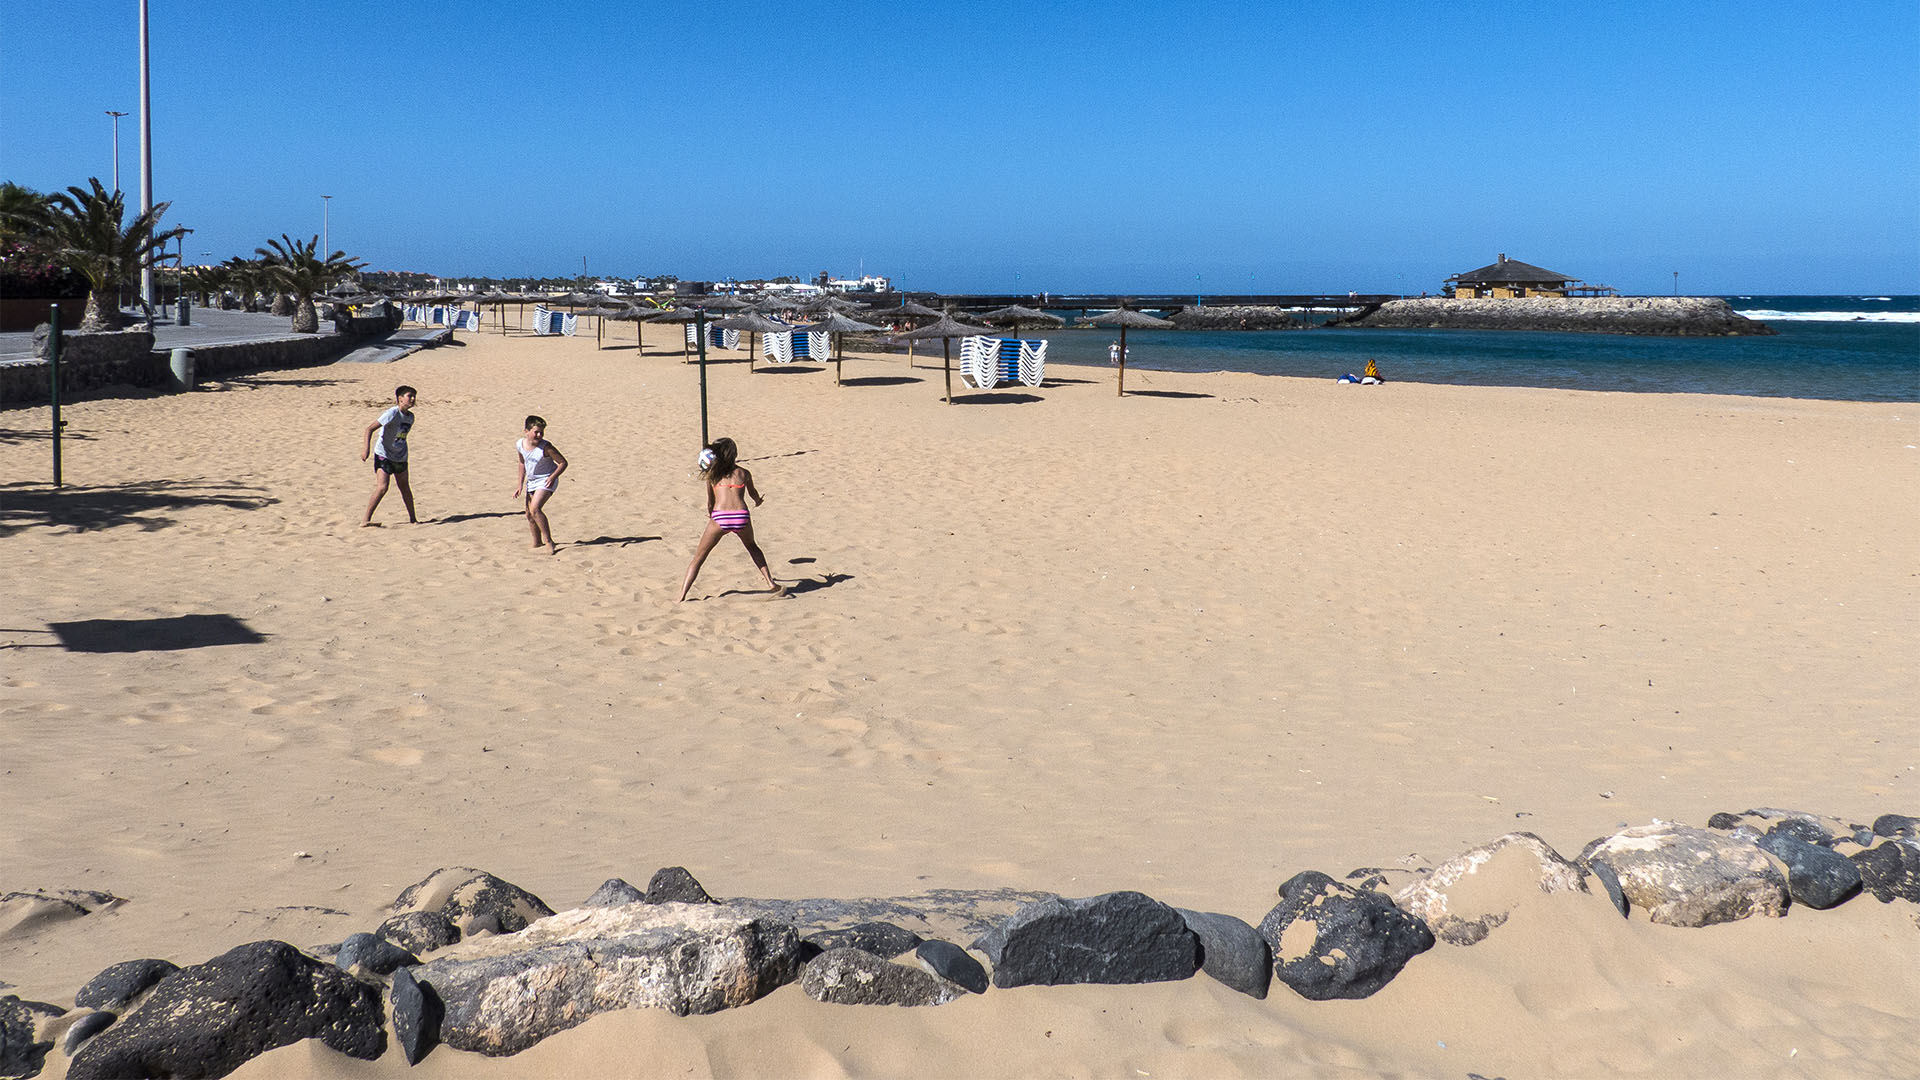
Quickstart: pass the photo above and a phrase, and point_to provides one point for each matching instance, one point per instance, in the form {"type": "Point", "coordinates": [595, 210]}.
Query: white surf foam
{"type": "Point", "coordinates": [1765, 315]}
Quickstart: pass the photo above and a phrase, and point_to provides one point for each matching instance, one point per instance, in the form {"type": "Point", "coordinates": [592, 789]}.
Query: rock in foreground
{"type": "Point", "coordinates": [1334, 941]}
{"type": "Point", "coordinates": [503, 994]}
{"type": "Point", "coordinates": [1685, 876]}
{"type": "Point", "coordinates": [209, 1019]}
{"type": "Point", "coordinates": [1118, 937]}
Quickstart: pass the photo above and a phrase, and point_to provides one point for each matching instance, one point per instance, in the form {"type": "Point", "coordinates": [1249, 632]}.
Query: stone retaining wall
{"type": "Point", "coordinates": [1682, 316]}
{"type": "Point", "coordinates": [128, 358]}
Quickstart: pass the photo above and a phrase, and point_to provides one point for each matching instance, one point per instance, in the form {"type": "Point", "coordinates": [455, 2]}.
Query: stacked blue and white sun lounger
{"type": "Point", "coordinates": [547, 321]}
{"type": "Point", "coordinates": [716, 337]}
{"type": "Point", "coordinates": [986, 362]}
{"type": "Point", "coordinates": [794, 345]}
{"type": "Point", "coordinates": [462, 319]}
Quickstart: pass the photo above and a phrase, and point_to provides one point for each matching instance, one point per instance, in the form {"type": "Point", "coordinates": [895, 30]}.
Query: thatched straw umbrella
{"type": "Point", "coordinates": [724, 303]}
{"type": "Point", "coordinates": [838, 325]}
{"type": "Point", "coordinates": [678, 315]}
{"type": "Point", "coordinates": [1016, 317]}
{"type": "Point", "coordinates": [946, 330]}
{"type": "Point", "coordinates": [498, 300]}
{"type": "Point", "coordinates": [1123, 318]}
{"type": "Point", "coordinates": [607, 308]}
{"type": "Point", "coordinates": [636, 316]}
{"type": "Point", "coordinates": [907, 312]}
{"type": "Point", "coordinates": [753, 323]}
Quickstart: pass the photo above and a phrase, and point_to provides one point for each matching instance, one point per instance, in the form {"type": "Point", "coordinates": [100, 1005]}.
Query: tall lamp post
{"type": "Point", "coordinates": [146, 153]}
{"type": "Point", "coordinates": [1676, 283]}
{"type": "Point", "coordinates": [326, 203]}
{"type": "Point", "coordinates": [116, 147]}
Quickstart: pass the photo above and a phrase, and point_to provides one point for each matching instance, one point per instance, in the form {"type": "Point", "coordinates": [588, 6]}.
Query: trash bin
{"type": "Point", "coordinates": [186, 310]}
{"type": "Point", "coordinates": [182, 365]}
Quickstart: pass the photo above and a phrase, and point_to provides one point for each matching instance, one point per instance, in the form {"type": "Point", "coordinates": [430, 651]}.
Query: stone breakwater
{"type": "Point", "coordinates": [1674, 316]}
{"type": "Point", "coordinates": [1236, 317]}
{"type": "Point", "coordinates": [474, 963]}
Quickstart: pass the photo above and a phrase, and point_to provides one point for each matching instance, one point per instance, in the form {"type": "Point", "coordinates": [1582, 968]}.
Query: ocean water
{"type": "Point", "coordinates": [1848, 348]}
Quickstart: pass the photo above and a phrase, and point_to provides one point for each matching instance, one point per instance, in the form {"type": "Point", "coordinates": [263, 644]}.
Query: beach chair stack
{"type": "Point", "coordinates": [987, 362]}
{"type": "Point", "coordinates": [548, 322]}
{"type": "Point", "coordinates": [716, 337]}
{"type": "Point", "coordinates": [794, 345]}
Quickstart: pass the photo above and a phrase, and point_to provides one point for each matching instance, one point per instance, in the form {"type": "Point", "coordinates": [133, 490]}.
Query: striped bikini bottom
{"type": "Point", "coordinates": [731, 520]}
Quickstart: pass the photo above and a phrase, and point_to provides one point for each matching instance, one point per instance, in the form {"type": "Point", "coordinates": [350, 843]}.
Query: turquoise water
{"type": "Point", "coordinates": [1841, 348]}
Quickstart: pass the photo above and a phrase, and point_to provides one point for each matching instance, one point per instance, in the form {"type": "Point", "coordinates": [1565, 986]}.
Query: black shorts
{"type": "Point", "coordinates": [391, 468]}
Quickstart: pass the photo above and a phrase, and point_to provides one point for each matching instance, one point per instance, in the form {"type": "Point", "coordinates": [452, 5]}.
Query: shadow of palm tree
{"type": "Point", "coordinates": [146, 505]}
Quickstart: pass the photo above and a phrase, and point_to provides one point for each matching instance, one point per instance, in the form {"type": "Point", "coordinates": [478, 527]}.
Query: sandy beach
{"type": "Point", "coordinates": [1190, 642]}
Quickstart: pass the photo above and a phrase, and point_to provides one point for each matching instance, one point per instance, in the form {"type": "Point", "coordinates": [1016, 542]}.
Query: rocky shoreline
{"type": "Point", "coordinates": [1672, 316]}
{"type": "Point", "coordinates": [477, 964]}
{"type": "Point", "coordinates": [1238, 317]}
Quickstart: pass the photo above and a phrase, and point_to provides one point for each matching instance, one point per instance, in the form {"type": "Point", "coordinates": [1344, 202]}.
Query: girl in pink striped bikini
{"type": "Point", "coordinates": [728, 488]}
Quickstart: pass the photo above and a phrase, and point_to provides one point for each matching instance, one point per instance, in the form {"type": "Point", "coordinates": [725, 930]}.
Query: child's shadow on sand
{"type": "Point", "coordinates": [623, 541]}
{"type": "Point", "coordinates": [795, 588]}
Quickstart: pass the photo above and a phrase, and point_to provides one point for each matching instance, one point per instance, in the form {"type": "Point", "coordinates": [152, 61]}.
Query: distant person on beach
{"type": "Point", "coordinates": [541, 464]}
{"type": "Point", "coordinates": [728, 488]}
{"type": "Point", "coordinates": [1113, 352]}
{"type": "Point", "coordinates": [391, 462]}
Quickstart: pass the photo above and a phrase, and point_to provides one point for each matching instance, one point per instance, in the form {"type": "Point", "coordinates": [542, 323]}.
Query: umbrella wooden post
{"type": "Point", "coordinates": [946, 354]}
{"type": "Point", "coordinates": [700, 330]}
{"type": "Point", "coordinates": [839, 348]}
{"type": "Point", "coordinates": [1120, 388]}
{"type": "Point", "coordinates": [751, 352]}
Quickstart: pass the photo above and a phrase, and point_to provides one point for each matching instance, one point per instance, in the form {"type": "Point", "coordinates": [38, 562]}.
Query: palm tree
{"type": "Point", "coordinates": [212, 283]}
{"type": "Point", "coordinates": [86, 230]}
{"type": "Point", "coordinates": [245, 276]}
{"type": "Point", "coordinates": [295, 267]}
{"type": "Point", "coordinates": [24, 214]}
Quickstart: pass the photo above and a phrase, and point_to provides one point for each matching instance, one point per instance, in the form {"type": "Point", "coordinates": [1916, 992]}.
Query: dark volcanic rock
{"type": "Point", "coordinates": [1772, 821]}
{"type": "Point", "coordinates": [882, 939]}
{"type": "Point", "coordinates": [20, 1053]}
{"type": "Point", "coordinates": [1333, 941]}
{"type": "Point", "coordinates": [1890, 870]}
{"type": "Point", "coordinates": [674, 885]}
{"type": "Point", "coordinates": [847, 976]}
{"type": "Point", "coordinates": [1817, 876]}
{"type": "Point", "coordinates": [208, 1019]}
{"type": "Point", "coordinates": [505, 993]}
{"type": "Point", "coordinates": [417, 1012]}
{"type": "Point", "coordinates": [373, 955]}
{"type": "Point", "coordinates": [419, 931]}
{"type": "Point", "coordinates": [1231, 951]}
{"type": "Point", "coordinates": [951, 962]}
{"type": "Point", "coordinates": [1897, 825]}
{"type": "Point", "coordinates": [475, 901]}
{"type": "Point", "coordinates": [613, 892]}
{"type": "Point", "coordinates": [1117, 937]}
{"type": "Point", "coordinates": [85, 1028]}
{"type": "Point", "coordinates": [1685, 876]}
{"type": "Point", "coordinates": [121, 983]}
{"type": "Point", "coordinates": [1234, 317]}
{"type": "Point", "coordinates": [1610, 882]}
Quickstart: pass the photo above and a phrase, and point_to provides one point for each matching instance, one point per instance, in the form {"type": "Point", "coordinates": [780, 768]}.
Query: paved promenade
{"type": "Point", "coordinates": [210, 327]}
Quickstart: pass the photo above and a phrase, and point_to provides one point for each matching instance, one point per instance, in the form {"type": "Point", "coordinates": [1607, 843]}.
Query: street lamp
{"type": "Point", "coordinates": [116, 147]}
{"type": "Point", "coordinates": [325, 204]}
{"type": "Point", "coordinates": [1676, 283]}
{"type": "Point", "coordinates": [146, 153]}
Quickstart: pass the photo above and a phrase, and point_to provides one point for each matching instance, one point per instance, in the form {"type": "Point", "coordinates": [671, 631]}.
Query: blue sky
{"type": "Point", "coordinates": [997, 146]}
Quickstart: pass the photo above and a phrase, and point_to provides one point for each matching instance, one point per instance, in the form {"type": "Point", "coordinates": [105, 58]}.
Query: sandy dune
{"type": "Point", "coordinates": [1188, 642]}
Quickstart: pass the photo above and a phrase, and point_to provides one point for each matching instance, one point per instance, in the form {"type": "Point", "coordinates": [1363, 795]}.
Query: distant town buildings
{"type": "Point", "coordinates": [1511, 279]}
